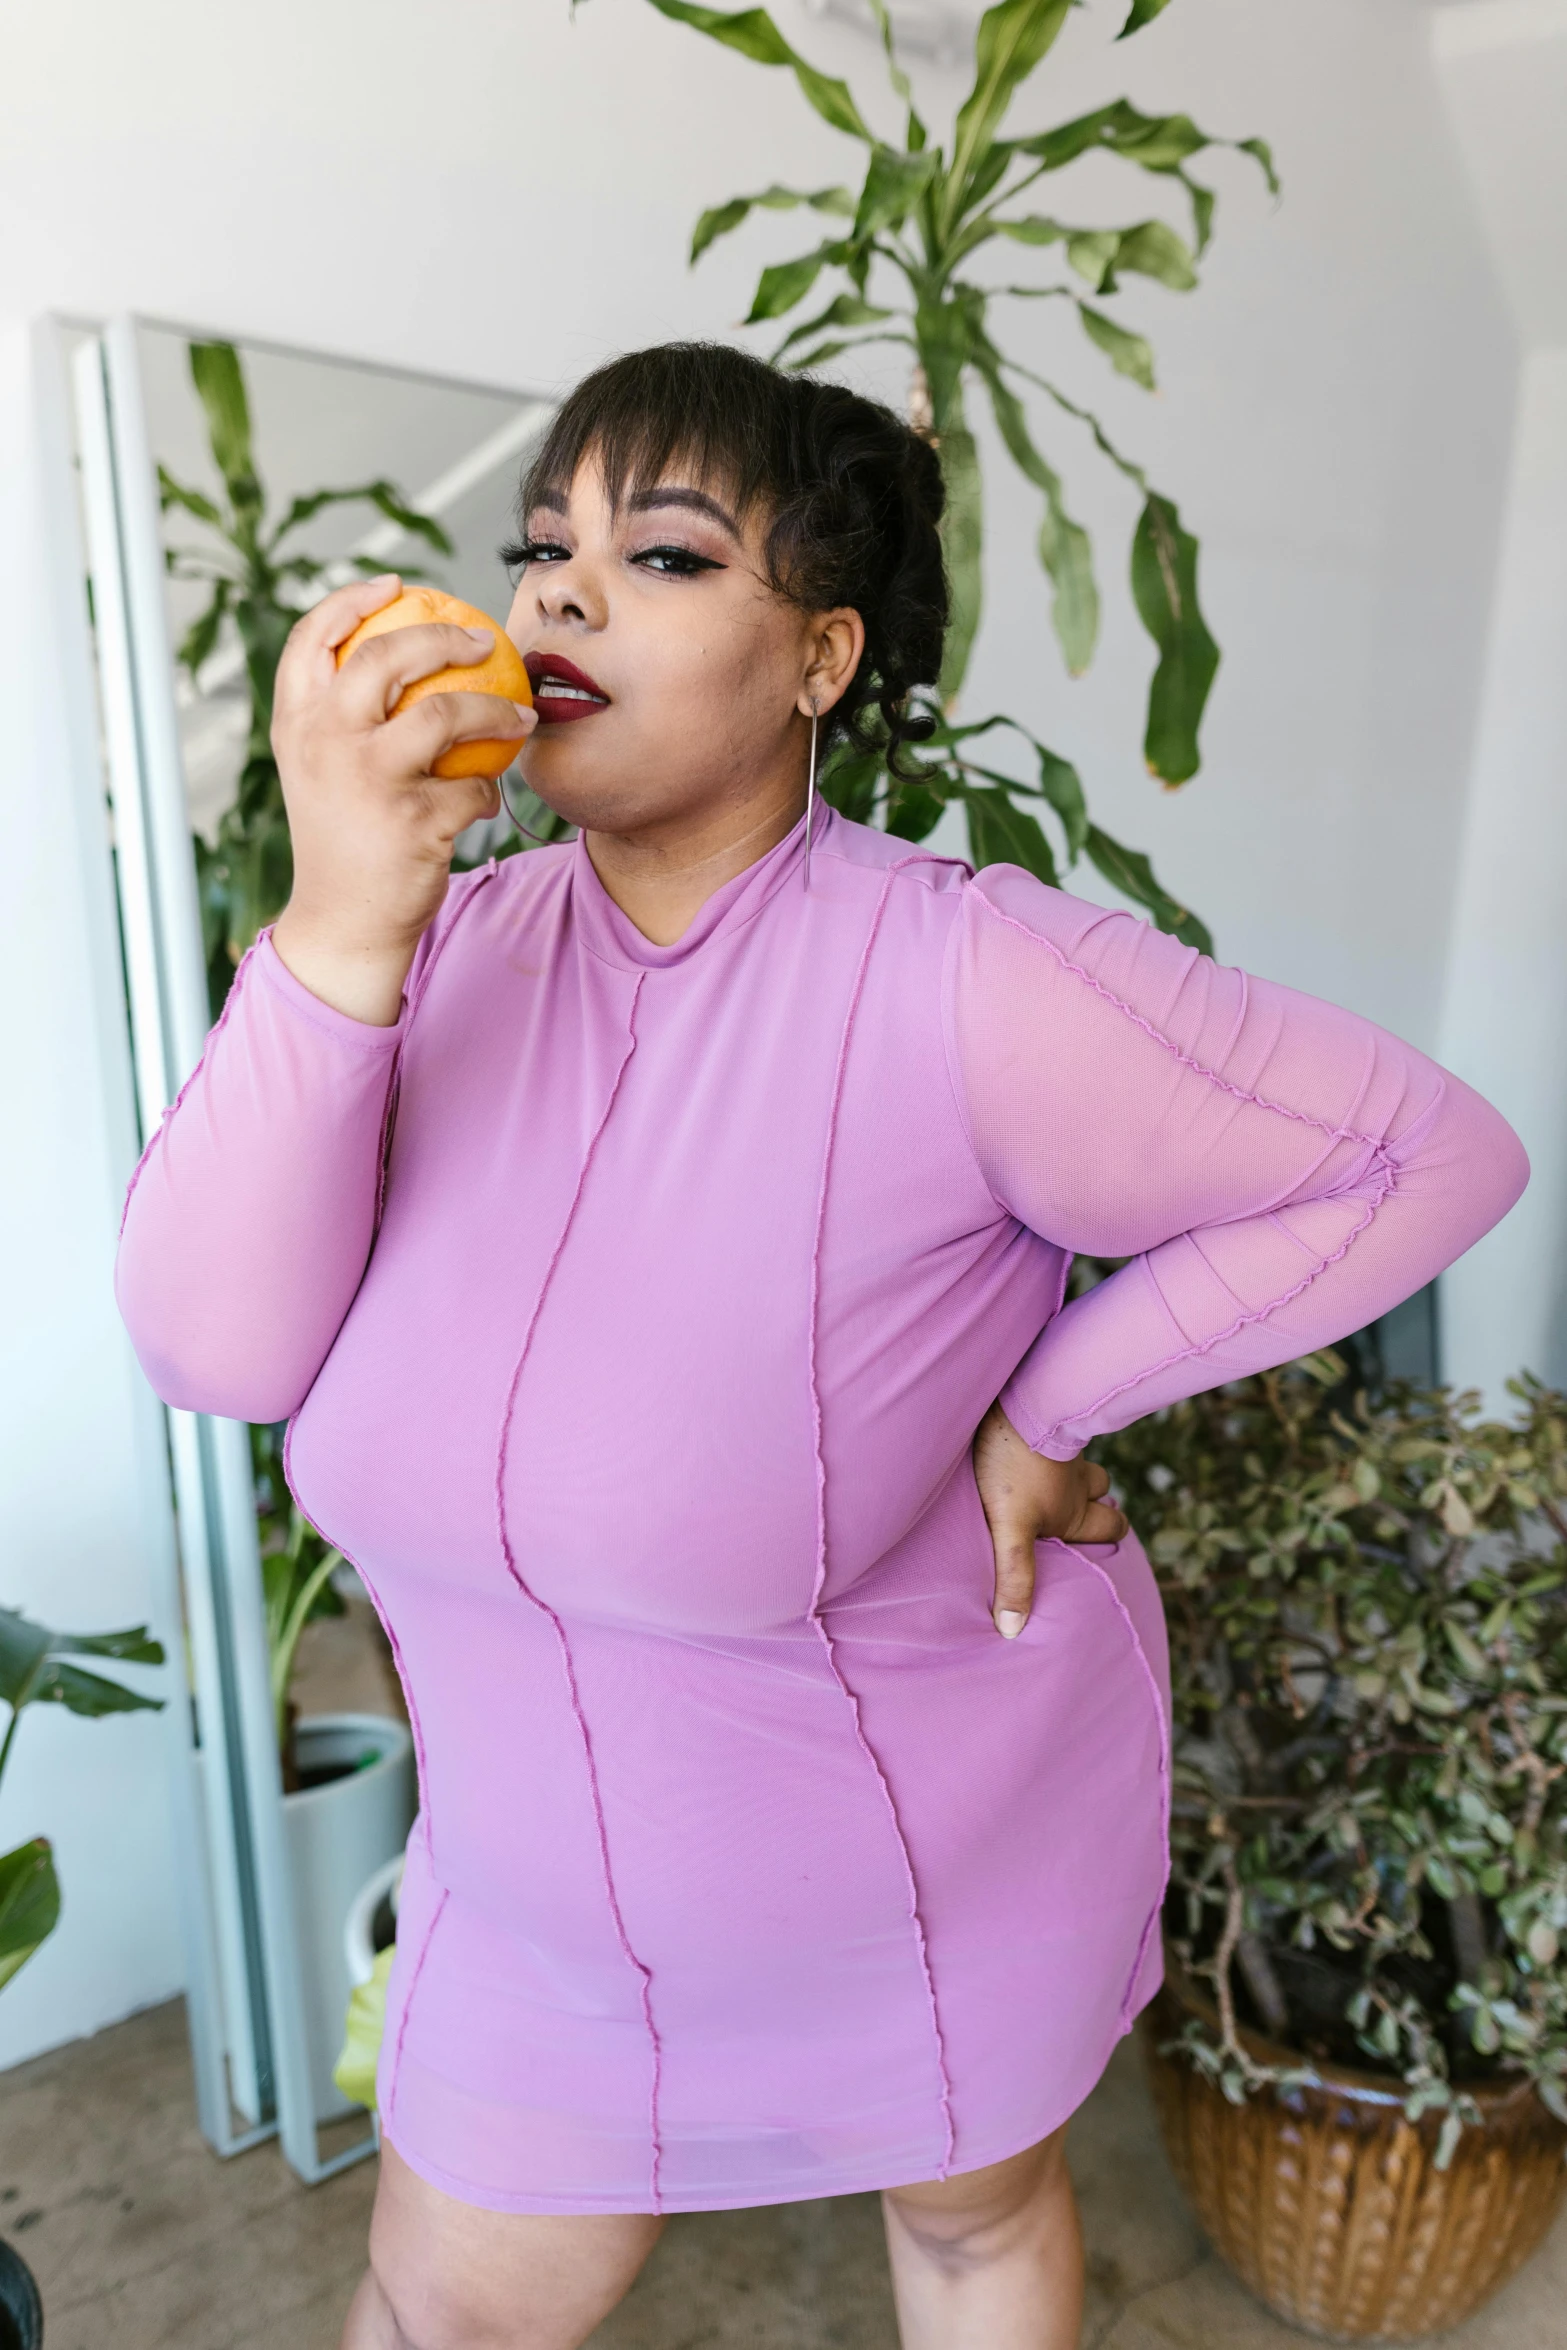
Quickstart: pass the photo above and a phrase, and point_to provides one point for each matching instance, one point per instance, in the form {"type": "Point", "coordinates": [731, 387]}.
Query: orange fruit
{"type": "Point", "coordinates": [499, 671]}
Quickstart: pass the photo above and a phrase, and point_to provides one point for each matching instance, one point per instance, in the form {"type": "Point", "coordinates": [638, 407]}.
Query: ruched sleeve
{"type": "Point", "coordinates": [1279, 1172]}
{"type": "Point", "coordinates": [250, 1218]}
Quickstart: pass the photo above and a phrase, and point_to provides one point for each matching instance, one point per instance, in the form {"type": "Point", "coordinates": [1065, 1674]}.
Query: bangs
{"type": "Point", "coordinates": [724, 421]}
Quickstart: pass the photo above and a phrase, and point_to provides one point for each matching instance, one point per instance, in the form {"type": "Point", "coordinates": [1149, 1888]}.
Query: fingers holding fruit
{"type": "Point", "coordinates": [426, 643]}
{"type": "Point", "coordinates": [394, 715]}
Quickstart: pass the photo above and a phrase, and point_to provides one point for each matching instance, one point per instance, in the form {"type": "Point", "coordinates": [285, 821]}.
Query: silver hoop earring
{"type": "Point", "coordinates": [810, 799]}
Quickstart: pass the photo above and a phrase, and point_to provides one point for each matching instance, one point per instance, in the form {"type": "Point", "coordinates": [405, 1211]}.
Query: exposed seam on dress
{"type": "Point", "coordinates": [408, 2003]}
{"type": "Point", "coordinates": [156, 1137]}
{"type": "Point", "coordinates": [1165, 1775]}
{"type": "Point", "coordinates": [643, 1972]}
{"type": "Point", "coordinates": [944, 2084]}
{"type": "Point", "coordinates": [1240, 1093]}
{"type": "Point", "coordinates": [1188, 1354]}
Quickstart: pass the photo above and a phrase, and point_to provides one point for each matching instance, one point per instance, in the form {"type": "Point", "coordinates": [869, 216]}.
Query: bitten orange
{"type": "Point", "coordinates": [499, 672]}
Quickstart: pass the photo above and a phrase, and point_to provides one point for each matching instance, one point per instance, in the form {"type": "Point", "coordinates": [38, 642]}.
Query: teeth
{"type": "Point", "coordinates": [554, 689]}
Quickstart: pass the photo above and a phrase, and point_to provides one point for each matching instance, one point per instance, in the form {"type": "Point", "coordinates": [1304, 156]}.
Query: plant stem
{"type": "Point", "coordinates": [1467, 1926]}
{"type": "Point", "coordinates": [10, 1733]}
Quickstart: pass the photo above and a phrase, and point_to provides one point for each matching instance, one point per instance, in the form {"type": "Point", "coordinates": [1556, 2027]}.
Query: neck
{"type": "Point", "coordinates": [661, 877]}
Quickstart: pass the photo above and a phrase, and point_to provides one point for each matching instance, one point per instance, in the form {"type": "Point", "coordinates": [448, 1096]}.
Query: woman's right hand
{"type": "Point", "coordinates": [372, 827]}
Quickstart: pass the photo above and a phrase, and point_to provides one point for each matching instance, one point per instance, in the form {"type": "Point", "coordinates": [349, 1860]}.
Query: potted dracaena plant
{"type": "Point", "coordinates": [1360, 2055]}
{"type": "Point", "coordinates": [349, 1789]}
{"type": "Point", "coordinates": [40, 1667]}
{"type": "Point", "coordinates": [902, 253]}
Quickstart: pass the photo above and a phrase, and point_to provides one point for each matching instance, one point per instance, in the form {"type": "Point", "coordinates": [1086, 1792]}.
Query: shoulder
{"type": "Point", "coordinates": [494, 896]}
{"type": "Point", "coordinates": [881, 861]}
{"type": "Point", "coordinates": [1014, 925]}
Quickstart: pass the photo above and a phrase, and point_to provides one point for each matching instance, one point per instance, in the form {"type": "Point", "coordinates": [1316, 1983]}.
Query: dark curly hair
{"type": "Point", "coordinates": [853, 499]}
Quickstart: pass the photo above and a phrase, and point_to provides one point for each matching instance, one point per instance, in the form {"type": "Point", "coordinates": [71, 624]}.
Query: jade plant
{"type": "Point", "coordinates": [1367, 1601]}
{"type": "Point", "coordinates": [908, 255]}
{"type": "Point", "coordinates": [37, 1667]}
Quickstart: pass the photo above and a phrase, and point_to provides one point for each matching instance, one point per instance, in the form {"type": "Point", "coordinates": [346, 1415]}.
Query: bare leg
{"type": "Point", "coordinates": [992, 2259]}
{"type": "Point", "coordinates": [446, 2276]}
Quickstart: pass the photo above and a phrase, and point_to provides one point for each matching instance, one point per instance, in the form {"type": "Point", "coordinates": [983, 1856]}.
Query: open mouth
{"type": "Point", "coordinates": [562, 691]}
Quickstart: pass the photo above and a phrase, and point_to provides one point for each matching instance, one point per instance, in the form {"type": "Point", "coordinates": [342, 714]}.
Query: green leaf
{"type": "Point", "coordinates": [1154, 250]}
{"type": "Point", "coordinates": [962, 539]}
{"type": "Point", "coordinates": [849, 782]}
{"type": "Point", "coordinates": [1012, 39]}
{"type": "Point", "coordinates": [1202, 201]}
{"type": "Point", "coordinates": [896, 75]}
{"type": "Point", "coordinates": [1092, 253]}
{"type": "Point", "coordinates": [1062, 786]}
{"type": "Point", "coordinates": [1164, 585]}
{"type": "Point", "coordinates": [1154, 142]}
{"type": "Point", "coordinates": [91, 1695]}
{"type": "Point", "coordinates": [914, 809]}
{"type": "Point", "coordinates": [1129, 871]}
{"type": "Point", "coordinates": [175, 493]}
{"type": "Point", "coordinates": [845, 310]}
{"type": "Point", "coordinates": [1143, 12]}
{"type": "Point", "coordinates": [364, 2027]}
{"type": "Point", "coordinates": [387, 499]}
{"type": "Point", "coordinates": [220, 385]}
{"type": "Point", "coordinates": [1262, 154]}
{"type": "Point", "coordinates": [1033, 229]}
{"type": "Point", "coordinates": [753, 33]}
{"type": "Point", "coordinates": [1127, 353]}
{"type": "Point", "coordinates": [724, 217]}
{"type": "Point", "coordinates": [202, 635]}
{"type": "Point", "coordinates": [133, 1647]}
{"type": "Point", "coordinates": [787, 282]}
{"type": "Point", "coordinates": [893, 186]}
{"type": "Point", "coordinates": [29, 1903]}
{"type": "Point", "coordinates": [1064, 547]}
{"type": "Point", "coordinates": [1003, 834]}
{"type": "Point", "coordinates": [24, 1646]}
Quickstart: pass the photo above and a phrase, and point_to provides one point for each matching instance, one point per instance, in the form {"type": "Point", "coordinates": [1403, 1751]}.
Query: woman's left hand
{"type": "Point", "coordinates": [1029, 1499]}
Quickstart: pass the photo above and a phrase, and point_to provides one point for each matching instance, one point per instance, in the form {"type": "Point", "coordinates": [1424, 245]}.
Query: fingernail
{"type": "Point", "coordinates": [480, 636]}
{"type": "Point", "coordinates": [1009, 1622]}
{"type": "Point", "coordinates": [522, 709]}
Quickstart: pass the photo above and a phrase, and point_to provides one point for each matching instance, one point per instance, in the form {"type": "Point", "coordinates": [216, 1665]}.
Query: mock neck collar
{"type": "Point", "coordinates": [611, 933]}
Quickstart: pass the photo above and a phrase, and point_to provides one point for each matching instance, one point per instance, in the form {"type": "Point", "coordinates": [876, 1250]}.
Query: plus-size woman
{"type": "Point", "coordinates": [658, 1244]}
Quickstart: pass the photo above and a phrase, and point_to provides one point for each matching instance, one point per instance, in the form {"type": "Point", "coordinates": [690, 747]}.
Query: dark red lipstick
{"type": "Point", "coordinates": [562, 691]}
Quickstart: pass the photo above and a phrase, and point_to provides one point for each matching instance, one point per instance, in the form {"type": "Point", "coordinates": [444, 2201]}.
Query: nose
{"type": "Point", "coordinates": [570, 595]}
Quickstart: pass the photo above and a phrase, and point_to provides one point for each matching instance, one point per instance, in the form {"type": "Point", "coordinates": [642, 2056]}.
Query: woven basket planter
{"type": "Point", "coordinates": [1327, 2203]}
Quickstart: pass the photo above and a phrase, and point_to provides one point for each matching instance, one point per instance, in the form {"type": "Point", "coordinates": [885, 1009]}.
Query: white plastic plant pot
{"type": "Point", "coordinates": [364, 1928]}
{"type": "Point", "coordinates": [341, 1829]}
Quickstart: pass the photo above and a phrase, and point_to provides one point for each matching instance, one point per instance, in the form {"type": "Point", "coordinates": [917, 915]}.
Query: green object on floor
{"type": "Point", "coordinates": [354, 2071]}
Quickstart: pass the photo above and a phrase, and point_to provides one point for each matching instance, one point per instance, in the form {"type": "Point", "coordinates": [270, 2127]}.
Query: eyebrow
{"type": "Point", "coordinates": [555, 501]}
{"type": "Point", "coordinates": [696, 501]}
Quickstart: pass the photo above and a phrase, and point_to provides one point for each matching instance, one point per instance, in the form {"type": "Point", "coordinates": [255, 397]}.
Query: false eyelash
{"type": "Point", "coordinates": [516, 554]}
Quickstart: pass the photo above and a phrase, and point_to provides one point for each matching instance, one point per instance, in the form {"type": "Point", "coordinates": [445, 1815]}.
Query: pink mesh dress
{"type": "Point", "coordinates": [635, 1307]}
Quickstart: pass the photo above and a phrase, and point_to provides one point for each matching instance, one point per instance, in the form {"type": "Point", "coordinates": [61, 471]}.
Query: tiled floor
{"type": "Point", "coordinates": [141, 2240]}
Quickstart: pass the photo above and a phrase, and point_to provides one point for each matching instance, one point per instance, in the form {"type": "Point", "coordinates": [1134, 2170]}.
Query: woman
{"type": "Point", "coordinates": [638, 1233]}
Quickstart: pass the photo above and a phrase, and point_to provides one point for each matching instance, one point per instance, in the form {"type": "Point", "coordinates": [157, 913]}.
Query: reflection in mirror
{"type": "Point", "coordinates": [282, 475]}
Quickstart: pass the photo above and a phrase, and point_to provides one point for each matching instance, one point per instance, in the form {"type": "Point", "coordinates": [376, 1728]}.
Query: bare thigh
{"type": "Point", "coordinates": [446, 2275]}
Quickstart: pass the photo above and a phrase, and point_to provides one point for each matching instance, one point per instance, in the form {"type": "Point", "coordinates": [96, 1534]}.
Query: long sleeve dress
{"type": "Point", "coordinates": [634, 1308]}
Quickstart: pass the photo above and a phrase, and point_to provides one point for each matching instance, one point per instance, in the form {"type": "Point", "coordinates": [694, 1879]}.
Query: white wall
{"type": "Point", "coordinates": [1504, 69]}
{"type": "Point", "coordinates": [493, 190]}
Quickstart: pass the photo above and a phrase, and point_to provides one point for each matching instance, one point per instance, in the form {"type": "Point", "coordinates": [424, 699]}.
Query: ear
{"type": "Point", "coordinates": [835, 642]}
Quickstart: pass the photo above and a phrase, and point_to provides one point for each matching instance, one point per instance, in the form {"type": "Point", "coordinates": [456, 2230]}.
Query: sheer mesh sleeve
{"type": "Point", "coordinates": [249, 1220]}
{"type": "Point", "coordinates": [1278, 1171]}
